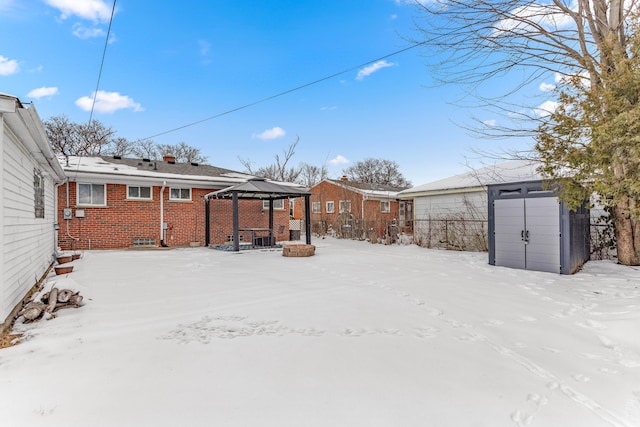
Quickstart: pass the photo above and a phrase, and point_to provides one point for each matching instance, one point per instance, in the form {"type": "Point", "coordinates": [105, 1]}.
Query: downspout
{"type": "Point", "coordinates": [162, 242]}
{"type": "Point", "coordinates": [364, 231]}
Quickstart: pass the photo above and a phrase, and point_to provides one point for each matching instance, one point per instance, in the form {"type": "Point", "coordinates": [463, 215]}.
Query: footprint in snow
{"type": "Point", "coordinates": [581, 378]}
{"type": "Point", "coordinates": [494, 322]}
{"type": "Point", "coordinates": [426, 332]}
{"type": "Point", "coordinates": [527, 319]}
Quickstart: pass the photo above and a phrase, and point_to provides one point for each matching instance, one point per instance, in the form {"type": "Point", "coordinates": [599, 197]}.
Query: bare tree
{"type": "Point", "coordinates": [146, 149]}
{"type": "Point", "coordinates": [311, 175]}
{"type": "Point", "coordinates": [183, 152]}
{"type": "Point", "coordinates": [74, 139]}
{"type": "Point", "coordinates": [377, 171]}
{"type": "Point", "coordinates": [479, 40]}
{"type": "Point", "coordinates": [278, 171]}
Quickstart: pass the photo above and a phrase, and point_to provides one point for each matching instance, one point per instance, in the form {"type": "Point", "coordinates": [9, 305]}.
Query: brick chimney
{"type": "Point", "coordinates": [344, 178]}
{"type": "Point", "coordinates": [169, 158]}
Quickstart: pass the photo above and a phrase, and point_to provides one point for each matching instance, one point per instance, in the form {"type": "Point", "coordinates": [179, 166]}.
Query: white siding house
{"type": "Point", "coordinates": [452, 212]}
{"type": "Point", "coordinates": [30, 173]}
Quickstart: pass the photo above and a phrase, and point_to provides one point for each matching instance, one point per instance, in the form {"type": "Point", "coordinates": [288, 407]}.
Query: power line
{"type": "Point", "coordinates": [286, 92]}
{"type": "Point", "coordinates": [104, 53]}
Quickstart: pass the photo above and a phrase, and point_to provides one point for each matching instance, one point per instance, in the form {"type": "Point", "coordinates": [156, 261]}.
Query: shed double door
{"type": "Point", "coordinates": [527, 233]}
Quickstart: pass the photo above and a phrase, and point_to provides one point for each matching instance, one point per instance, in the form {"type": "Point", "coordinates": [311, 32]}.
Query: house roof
{"type": "Point", "coordinates": [119, 169]}
{"type": "Point", "coordinates": [367, 189]}
{"type": "Point", "coordinates": [259, 188]}
{"type": "Point", "coordinates": [513, 171]}
{"type": "Point", "coordinates": [27, 126]}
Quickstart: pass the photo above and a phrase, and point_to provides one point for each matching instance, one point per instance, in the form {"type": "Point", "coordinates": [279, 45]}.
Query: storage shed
{"type": "Point", "coordinates": [531, 228]}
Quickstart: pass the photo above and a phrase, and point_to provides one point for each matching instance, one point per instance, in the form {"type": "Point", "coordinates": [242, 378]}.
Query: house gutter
{"type": "Point", "coordinates": [162, 242]}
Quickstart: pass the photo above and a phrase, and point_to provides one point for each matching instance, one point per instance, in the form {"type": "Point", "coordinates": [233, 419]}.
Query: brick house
{"type": "Point", "coordinates": [113, 202]}
{"type": "Point", "coordinates": [352, 209]}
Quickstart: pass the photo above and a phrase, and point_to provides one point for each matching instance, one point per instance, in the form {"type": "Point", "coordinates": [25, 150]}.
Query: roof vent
{"type": "Point", "coordinates": [116, 157]}
{"type": "Point", "coordinates": [194, 164]}
{"type": "Point", "coordinates": [146, 160]}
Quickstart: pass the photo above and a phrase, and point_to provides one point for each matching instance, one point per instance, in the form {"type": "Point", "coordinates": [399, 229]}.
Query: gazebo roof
{"type": "Point", "coordinates": [259, 188]}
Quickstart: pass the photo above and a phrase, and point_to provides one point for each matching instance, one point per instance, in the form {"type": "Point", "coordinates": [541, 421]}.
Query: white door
{"type": "Point", "coordinates": [543, 239]}
{"type": "Point", "coordinates": [509, 233]}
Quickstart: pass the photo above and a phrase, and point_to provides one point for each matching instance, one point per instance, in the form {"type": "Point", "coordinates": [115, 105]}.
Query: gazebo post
{"type": "Point", "coordinates": [307, 219]}
{"type": "Point", "coordinates": [236, 233]}
{"type": "Point", "coordinates": [207, 224]}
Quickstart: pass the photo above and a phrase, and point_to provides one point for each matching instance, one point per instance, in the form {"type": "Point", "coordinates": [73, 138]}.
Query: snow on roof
{"type": "Point", "coordinates": [513, 171]}
{"type": "Point", "coordinates": [144, 168]}
{"type": "Point", "coordinates": [371, 190]}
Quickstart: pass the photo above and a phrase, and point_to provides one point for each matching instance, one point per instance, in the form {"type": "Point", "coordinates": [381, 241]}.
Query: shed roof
{"type": "Point", "coordinates": [513, 171]}
{"type": "Point", "coordinates": [259, 188]}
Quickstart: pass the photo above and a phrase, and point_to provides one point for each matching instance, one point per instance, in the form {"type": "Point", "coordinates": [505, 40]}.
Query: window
{"type": "Point", "coordinates": [345, 206]}
{"type": "Point", "coordinates": [315, 207]}
{"type": "Point", "coordinates": [38, 191]}
{"type": "Point", "coordinates": [135, 192]}
{"type": "Point", "coordinates": [330, 207]}
{"type": "Point", "coordinates": [385, 206]}
{"type": "Point", "coordinates": [92, 194]}
{"type": "Point", "coordinates": [277, 204]}
{"type": "Point", "coordinates": [292, 208]}
{"type": "Point", "coordinates": [180, 194]}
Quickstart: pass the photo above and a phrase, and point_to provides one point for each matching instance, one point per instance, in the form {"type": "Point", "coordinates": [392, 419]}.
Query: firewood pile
{"type": "Point", "coordinates": [50, 302]}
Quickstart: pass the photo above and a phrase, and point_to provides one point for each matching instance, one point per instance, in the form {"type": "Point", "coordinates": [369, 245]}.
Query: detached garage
{"type": "Point", "coordinates": [530, 228]}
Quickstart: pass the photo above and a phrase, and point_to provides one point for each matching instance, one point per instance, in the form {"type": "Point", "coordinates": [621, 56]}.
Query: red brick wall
{"type": "Point", "coordinates": [326, 191]}
{"type": "Point", "coordinates": [122, 220]}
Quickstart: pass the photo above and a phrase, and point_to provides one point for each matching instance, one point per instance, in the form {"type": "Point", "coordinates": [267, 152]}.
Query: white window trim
{"type": "Point", "coordinates": [383, 204]}
{"type": "Point", "coordinates": [140, 198]}
{"type": "Point", "coordinates": [343, 203]}
{"type": "Point", "coordinates": [180, 199]}
{"type": "Point", "coordinates": [316, 207]}
{"type": "Point", "coordinates": [333, 206]}
{"type": "Point", "coordinates": [265, 205]}
{"type": "Point", "coordinates": [78, 203]}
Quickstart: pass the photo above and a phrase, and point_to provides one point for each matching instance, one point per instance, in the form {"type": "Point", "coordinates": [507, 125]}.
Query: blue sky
{"type": "Point", "coordinates": [169, 64]}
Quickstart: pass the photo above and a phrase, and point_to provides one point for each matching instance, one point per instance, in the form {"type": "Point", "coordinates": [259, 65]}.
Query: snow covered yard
{"type": "Point", "coordinates": [358, 335]}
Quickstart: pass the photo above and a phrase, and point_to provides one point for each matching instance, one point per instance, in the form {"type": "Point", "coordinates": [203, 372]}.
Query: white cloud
{"type": "Point", "coordinates": [370, 69]}
{"type": "Point", "coordinates": [546, 108]}
{"type": "Point", "coordinates": [108, 102]}
{"type": "Point", "coordinates": [548, 16]}
{"type": "Point", "coordinates": [547, 87]}
{"type": "Point", "coordinates": [83, 32]}
{"type": "Point", "coordinates": [333, 107]}
{"type": "Point", "coordinates": [490, 123]}
{"type": "Point", "coordinates": [338, 160]}
{"type": "Point", "coordinates": [93, 10]}
{"type": "Point", "coordinates": [205, 47]}
{"type": "Point", "coordinates": [41, 92]}
{"type": "Point", "coordinates": [273, 133]}
{"type": "Point", "coordinates": [8, 66]}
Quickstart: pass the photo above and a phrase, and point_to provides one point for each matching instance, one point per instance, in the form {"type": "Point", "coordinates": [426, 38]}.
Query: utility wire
{"type": "Point", "coordinates": [286, 92]}
{"type": "Point", "coordinates": [104, 53]}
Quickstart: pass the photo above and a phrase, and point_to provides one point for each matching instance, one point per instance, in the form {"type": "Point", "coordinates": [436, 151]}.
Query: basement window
{"type": "Point", "coordinates": [136, 192]}
{"type": "Point", "coordinates": [144, 241]}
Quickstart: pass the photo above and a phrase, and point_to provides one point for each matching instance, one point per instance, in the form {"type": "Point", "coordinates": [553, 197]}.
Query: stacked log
{"type": "Point", "coordinates": [50, 302]}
